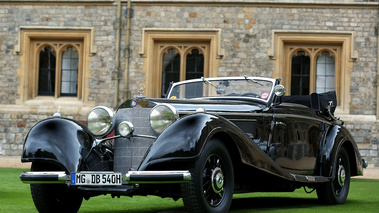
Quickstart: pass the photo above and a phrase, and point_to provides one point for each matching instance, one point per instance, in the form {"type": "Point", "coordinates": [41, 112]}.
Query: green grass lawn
{"type": "Point", "coordinates": [363, 197]}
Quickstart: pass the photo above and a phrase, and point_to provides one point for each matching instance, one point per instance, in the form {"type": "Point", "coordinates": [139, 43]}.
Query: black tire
{"type": "Point", "coordinates": [336, 191]}
{"type": "Point", "coordinates": [212, 184]}
{"type": "Point", "coordinates": [54, 197]}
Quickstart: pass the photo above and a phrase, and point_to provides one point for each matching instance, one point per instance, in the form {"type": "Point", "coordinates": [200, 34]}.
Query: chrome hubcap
{"type": "Point", "coordinates": [217, 180]}
{"type": "Point", "coordinates": [341, 175]}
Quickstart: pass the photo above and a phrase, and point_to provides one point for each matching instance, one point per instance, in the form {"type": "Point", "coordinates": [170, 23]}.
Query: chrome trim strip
{"type": "Point", "coordinates": [227, 113]}
{"type": "Point", "coordinates": [96, 142]}
{"type": "Point", "coordinates": [144, 136]}
{"type": "Point", "coordinates": [158, 177]}
{"type": "Point", "coordinates": [302, 117]}
{"type": "Point", "coordinates": [45, 177]}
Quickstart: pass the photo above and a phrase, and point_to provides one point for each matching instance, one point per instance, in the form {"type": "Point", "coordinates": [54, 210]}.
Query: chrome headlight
{"type": "Point", "coordinates": [161, 116]}
{"type": "Point", "coordinates": [100, 120]}
{"type": "Point", "coordinates": [125, 128]}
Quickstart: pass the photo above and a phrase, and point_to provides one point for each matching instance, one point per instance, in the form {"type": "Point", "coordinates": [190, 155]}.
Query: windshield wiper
{"type": "Point", "coordinates": [208, 82]}
{"type": "Point", "coordinates": [251, 80]}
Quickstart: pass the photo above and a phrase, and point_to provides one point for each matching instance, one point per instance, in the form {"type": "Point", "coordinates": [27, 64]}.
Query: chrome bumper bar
{"type": "Point", "coordinates": [135, 177]}
{"type": "Point", "coordinates": [44, 177]}
{"type": "Point", "coordinates": [158, 176]}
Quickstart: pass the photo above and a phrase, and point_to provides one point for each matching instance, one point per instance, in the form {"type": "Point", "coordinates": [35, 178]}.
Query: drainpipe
{"type": "Point", "coordinates": [116, 73]}
{"type": "Point", "coordinates": [377, 69]}
{"type": "Point", "coordinates": [377, 75]}
{"type": "Point", "coordinates": [127, 53]}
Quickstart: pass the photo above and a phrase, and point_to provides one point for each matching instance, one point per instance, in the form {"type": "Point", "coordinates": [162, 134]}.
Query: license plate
{"type": "Point", "coordinates": [96, 178]}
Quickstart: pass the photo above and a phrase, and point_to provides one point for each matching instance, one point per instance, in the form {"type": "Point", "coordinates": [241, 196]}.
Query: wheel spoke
{"type": "Point", "coordinates": [213, 180]}
{"type": "Point", "coordinates": [339, 180]}
{"type": "Point", "coordinates": [213, 170]}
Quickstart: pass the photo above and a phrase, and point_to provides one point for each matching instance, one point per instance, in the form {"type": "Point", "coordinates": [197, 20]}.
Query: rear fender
{"type": "Point", "coordinates": [58, 141]}
{"type": "Point", "coordinates": [337, 137]}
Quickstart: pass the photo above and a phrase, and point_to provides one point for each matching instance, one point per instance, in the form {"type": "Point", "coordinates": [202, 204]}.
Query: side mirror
{"type": "Point", "coordinates": [279, 90]}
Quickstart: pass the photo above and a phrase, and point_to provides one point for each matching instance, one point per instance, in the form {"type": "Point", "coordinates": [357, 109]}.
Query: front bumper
{"type": "Point", "coordinates": [132, 177]}
{"type": "Point", "coordinates": [44, 177]}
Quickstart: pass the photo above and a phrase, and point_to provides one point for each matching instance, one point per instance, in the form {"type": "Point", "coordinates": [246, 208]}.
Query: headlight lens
{"type": "Point", "coordinates": [161, 116]}
{"type": "Point", "coordinates": [125, 128]}
{"type": "Point", "coordinates": [100, 120]}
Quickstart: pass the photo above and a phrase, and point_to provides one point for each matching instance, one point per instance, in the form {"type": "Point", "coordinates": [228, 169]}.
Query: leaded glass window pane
{"type": "Point", "coordinates": [170, 69]}
{"type": "Point", "coordinates": [46, 73]}
{"type": "Point", "coordinates": [195, 69]}
{"type": "Point", "coordinates": [69, 84]}
{"type": "Point", "coordinates": [300, 74]}
{"type": "Point", "coordinates": [194, 65]}
{"type": "Point", "coordinates": [325, 73]}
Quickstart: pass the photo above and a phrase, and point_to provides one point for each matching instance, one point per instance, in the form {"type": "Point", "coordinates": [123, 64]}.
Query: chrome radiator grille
{"type": "Point", "coordinates": [129, 153]}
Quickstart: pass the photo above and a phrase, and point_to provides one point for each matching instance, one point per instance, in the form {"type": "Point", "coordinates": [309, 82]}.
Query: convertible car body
{"type": "Point", "coordinates": [209, 138]}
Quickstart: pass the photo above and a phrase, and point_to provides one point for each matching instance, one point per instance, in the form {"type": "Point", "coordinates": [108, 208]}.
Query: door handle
{"type": "Point", "coordinates": [280, 124]}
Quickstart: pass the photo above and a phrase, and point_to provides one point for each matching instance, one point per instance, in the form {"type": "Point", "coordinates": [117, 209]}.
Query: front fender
{"type": "Point", "coordinates": [58, 141]}
{"type": "Point", "coordinates": [183, 139]}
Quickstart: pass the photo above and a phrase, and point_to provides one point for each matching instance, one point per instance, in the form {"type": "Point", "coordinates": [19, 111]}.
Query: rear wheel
{"type": "Point", "coordinates": [211, 187]}
{"type": "Point", "coordinates": [54, 197]}
{"type": "Point", "coordinates": [337, 190]}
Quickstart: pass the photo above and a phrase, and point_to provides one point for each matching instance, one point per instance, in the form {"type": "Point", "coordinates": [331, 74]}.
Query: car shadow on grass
{"type": "Point", "coordinates": [240, 205]}
{"type": "Point", "coordinates": [259, 204]}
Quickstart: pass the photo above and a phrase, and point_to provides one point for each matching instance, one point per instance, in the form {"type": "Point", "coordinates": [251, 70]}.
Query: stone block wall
{"type": "Point", "coordinates": [101, 18]}
{"type": "Point", "coordinates": [366, 136]}
{"type": "Point", "coordinates": [14, 128]}
{"type": "Point", "coordinates": [246, 38]}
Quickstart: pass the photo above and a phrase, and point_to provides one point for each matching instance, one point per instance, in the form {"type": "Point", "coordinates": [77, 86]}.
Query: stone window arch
{"type": "Point", "coordinates": [200, 46]}
{"type": "Point", "coordinates": [77, 43]}
{"type": "Point", "coordinates": [338, 45]}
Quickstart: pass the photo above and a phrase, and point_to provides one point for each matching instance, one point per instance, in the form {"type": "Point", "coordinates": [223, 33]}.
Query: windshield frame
{"type": "Point", "coordinates": [267, 101]}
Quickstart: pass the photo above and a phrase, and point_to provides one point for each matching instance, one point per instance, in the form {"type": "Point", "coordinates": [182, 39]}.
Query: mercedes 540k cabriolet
{"type": "Point", "coordinates": [206, 140]}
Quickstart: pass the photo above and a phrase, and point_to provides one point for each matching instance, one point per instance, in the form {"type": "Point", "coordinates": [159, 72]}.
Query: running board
{"type": "Point", "coordinates": [310, 178]}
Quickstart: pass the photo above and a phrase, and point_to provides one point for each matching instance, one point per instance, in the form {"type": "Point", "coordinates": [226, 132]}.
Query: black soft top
{"type": "Point", "coordinates": [317, 101]}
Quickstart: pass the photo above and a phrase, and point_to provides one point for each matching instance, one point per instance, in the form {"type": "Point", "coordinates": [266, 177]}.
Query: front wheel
{"type": "Point", "coordinates": [337, 190]}
{"type": "Point", "coordinates": [212, 184]}
{"type": "Point", "coordinates": [54, 197]}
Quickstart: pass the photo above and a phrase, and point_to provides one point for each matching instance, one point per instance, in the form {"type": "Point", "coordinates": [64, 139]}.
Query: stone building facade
{"type": "Point", "coordinates": [243, 37]}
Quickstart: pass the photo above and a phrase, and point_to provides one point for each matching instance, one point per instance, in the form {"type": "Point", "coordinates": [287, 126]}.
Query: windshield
{"type": "Point", "coordinates": [222, 87]}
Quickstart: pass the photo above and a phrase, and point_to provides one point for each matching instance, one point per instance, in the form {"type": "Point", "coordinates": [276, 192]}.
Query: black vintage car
{"type": "Point", "coordinates": [209, 138]}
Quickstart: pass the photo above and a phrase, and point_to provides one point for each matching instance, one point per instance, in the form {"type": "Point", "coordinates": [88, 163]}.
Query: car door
{"type": "Point", "coordinates": [296, 138]}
